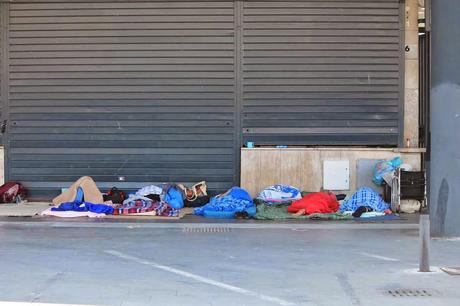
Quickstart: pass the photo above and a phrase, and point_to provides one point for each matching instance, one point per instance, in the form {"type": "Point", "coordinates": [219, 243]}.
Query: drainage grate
{"type": "Point", "coordinates": [410, 292]}
{"type": "Point", "coordinates": [206, 230]}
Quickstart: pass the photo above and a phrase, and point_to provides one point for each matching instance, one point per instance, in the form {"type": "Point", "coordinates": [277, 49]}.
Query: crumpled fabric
{"type": "Point", "coordinates": [71, 214]}
{"type": "Point", "coordinates": [369, 214]}
{"type": "Point", "coordinates": [168, 193]}
{"type": "Point", "coordinates": [234, 200]}
{"type": "Point", "coordinates": [132, 198]}
{"type": "Point", "coordinates": [316, 203]}
{"type": "Point", "coordinates": [279, 193]}
{"type": "Point", "coordinates": [140, 206]}
{"type": "Point", "coordinates": [173, 196]}
{"type": "Point", "coordinates": [150, 189]}
{"type": "Point", "coordinates": [365, 197]}
{"type": "Point", "coordinates": [85, 206]}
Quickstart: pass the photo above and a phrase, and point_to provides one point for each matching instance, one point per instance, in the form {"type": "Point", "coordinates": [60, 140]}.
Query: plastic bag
{"type": "Point", "coordinates": [383, 167]}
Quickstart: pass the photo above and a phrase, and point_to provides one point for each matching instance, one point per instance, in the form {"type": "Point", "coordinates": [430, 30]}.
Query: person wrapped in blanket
{"type": "Point", "coordinates": [165, 201]}
{"type": "Point", "coordinates": [365, 202]}
{"type": "Point", "coordinates": [235, 203]}
{"type": "Point", "coordinates": [314, 203]}
{"type": "Point", "coordinates": [81, 199]}
{"type": "Point", "coordinates": [84, 198]}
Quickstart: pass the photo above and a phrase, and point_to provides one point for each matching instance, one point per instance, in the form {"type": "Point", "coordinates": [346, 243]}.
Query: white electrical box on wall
{"type": "Point", "coordinates": [336, 175]}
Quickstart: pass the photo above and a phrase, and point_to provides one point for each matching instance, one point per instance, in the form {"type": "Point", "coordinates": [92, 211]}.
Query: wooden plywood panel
{"type": "Point", "coordinates": [310, 171]}
{"type": "Point", "coordinates": [303, 168]}
{"type": "Point", "coordinates": [270, 168]}
{"type": "Point", "coordinates": [250, 171]}
{"type": "Point", "coordinates": [290, 168]}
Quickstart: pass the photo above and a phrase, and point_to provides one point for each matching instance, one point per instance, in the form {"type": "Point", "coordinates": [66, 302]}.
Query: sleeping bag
{"type": "Point", "coordinates": [315, 203]}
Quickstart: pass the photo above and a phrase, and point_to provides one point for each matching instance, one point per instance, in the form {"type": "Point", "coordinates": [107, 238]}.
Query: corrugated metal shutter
{"type": "Point", "coordinates": [143, 90]}
{"type": "Point", "coordinates": [322, 72]}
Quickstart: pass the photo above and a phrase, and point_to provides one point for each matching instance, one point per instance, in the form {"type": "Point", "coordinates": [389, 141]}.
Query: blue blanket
{"type": "Point", "coordinates": [173, 197]}
{"type": "Point", "coordinates": [84, 206]}
{"type": "Point", "coordinates": [364, 197]}
{"type": "Point", "coordinates": [235, 200]}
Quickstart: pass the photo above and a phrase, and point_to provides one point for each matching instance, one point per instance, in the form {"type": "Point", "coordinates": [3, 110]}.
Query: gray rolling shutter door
{"type": "Point", "coordinates": [143, 90]}
{"type": "Point", "coordinates": [321, 72]}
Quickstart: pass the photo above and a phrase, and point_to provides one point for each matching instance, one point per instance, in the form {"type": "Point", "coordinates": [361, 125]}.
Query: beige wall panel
{"type": "Point", "coordinates": [250, 171]}
{"type": "Point", "coordinates": [303, 168]}
{"type": "Point", "coordinates": [270, 168]}
{"type": "Point", "coordinates": [351, 157]}
{"type": "Point", "coordinates": [311, 172]}
{"type": "Point", "coordinates": [290, 168]}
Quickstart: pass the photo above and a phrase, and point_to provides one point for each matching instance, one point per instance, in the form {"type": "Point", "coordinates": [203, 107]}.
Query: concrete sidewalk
{"type": "Point", "coordinates": [182, 265]}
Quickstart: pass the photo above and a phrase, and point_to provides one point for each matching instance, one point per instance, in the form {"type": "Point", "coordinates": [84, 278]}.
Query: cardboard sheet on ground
{"type": "Point", "coordinates": [28, 209]}
{"type": "Point", "coordinates": [147, 215]}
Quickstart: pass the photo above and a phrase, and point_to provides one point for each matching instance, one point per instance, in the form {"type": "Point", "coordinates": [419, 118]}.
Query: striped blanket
{"type": "Point", "coordinates": [143, 206]}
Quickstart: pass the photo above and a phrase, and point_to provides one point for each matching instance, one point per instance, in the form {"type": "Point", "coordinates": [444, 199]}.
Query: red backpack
{"type": "Point", "coordinates": [12, 192]}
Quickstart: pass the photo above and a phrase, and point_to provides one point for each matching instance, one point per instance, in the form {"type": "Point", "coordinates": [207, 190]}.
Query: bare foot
{"type": "Point", "coordinates": [300, 212]}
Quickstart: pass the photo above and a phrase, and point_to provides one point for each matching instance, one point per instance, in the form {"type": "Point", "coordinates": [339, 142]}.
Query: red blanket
{"type": "Point", "coordinates": [318, 202]}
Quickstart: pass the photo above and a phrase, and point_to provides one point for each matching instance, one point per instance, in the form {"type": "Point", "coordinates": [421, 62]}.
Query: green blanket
{"type": "Point", "coordinates": [279, 212]}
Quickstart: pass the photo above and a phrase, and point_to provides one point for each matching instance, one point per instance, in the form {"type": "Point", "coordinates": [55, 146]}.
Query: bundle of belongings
{"type": "Point", "coordinates": [12, 192]}
{"type": "Point", "coordinates": [84, 198]}
{"type": "Point", "coordinates": [196, 195]}
{"type": "Point", "coordinates": [279, 194]}
{"type": "Point", "coordinates": [385, 167]}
